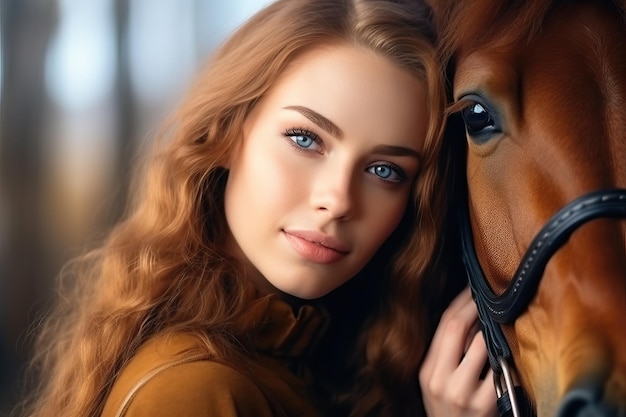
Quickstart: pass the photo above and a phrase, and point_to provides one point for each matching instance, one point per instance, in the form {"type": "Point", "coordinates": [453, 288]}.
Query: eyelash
{"type": "Point", "coordinates": [397, 169]}
{"type": "Point", "coordinates": [289, 133]}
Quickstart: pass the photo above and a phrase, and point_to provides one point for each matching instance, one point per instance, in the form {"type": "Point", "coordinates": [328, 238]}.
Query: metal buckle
{"type": "Point", "coordinates": [508, 383]}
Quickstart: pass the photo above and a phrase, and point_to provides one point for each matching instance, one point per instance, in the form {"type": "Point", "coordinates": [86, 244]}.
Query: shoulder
{"type": "Point", "coordinates": [175, 377]}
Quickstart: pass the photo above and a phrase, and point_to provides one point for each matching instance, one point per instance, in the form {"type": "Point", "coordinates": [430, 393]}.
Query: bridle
{"type": "Point", "coordinates": [495, 310]}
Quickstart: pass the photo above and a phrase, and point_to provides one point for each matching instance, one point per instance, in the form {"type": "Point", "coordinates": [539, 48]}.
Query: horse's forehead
{"type": "Point", "coordinates": [576, 61]}
{"type": "Point", "coordinates": [580, 22]}
{"type": "Point", "coordinates": [489, 70]}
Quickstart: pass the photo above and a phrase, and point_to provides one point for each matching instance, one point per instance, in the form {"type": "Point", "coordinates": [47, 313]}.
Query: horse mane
{"type": "Point", "coordinates": [511, 21]}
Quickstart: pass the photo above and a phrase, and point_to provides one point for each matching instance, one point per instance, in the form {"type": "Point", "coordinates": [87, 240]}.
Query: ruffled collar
{"type": "Point", "coordinates": [276, 328]}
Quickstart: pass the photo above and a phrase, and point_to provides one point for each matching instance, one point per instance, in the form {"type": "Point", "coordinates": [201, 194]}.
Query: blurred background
{"type": "Point", "coordinates": [82, 84]}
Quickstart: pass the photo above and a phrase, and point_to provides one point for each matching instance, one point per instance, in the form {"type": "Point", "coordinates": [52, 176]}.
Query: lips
{"type": "Point", "coordinates": [315, 246]}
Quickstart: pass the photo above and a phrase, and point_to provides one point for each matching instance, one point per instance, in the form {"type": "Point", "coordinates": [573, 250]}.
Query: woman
{"type": "Point", "coordinates": [249, 277]}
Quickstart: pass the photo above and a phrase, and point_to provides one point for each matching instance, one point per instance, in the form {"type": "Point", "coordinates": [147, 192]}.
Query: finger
{"type": "Point", "coordinates": [459, 302]}
{"type": "Point", "coordinates": [471, 333]}
{"type": "Point", "coordinates": [475, 358]}
{"type": "Point", "coordinates": [454, 331]}
{"type": "Point", "coordinates": [460, 299]}
{"type": "Point", "coordinates": [466, 379]}
{"type": "Point", "coordinates": [449, 341]}
{"type": "Point", "coordinates": [485, 396]}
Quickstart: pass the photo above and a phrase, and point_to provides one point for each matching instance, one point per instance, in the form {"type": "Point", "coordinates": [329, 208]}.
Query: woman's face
{"type": "Point", "coordinates": [325, 169]}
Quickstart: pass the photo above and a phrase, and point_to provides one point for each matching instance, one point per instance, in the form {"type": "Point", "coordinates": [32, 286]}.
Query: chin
{"type": "Point", "coordinates": [306, 293]}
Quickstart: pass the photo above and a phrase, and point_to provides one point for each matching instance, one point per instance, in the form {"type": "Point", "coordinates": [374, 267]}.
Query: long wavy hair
{"type": "Point", "coordinates": [163, 268]}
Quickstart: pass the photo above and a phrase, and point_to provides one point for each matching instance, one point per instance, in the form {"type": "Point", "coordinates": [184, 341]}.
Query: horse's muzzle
{"type": "Point", "coordinates": [587, 401]}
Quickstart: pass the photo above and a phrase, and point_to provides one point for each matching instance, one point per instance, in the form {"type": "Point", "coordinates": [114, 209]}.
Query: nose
{"type": "Point", "coordinates": [333, 191]}
{"type": "Point", "coordinates": [586, 401]}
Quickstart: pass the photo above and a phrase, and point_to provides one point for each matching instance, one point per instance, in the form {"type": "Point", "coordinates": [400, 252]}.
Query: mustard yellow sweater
{"type": "Point", "coordinates": [174, 375]}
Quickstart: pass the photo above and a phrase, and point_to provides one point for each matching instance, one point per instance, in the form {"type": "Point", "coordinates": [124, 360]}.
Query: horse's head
{"type": "Point", "coordinates": [541, 86]}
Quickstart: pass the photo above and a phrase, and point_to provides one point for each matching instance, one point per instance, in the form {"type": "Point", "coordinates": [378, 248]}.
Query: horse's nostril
{"type": "Point", "coordinates": [585, 402]}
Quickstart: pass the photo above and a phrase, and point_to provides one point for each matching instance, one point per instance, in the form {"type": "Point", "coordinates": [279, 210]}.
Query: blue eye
{"type": "Point", "coordinates": [383, 171]}
{"type": "Point", "coordinates": [388, 172]}
{"type": "Point", "coordinates": [303, 139]}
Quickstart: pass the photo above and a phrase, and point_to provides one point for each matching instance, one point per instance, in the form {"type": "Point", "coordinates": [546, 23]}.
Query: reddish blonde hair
{"type": "Point", "coordinates": [163, 269]}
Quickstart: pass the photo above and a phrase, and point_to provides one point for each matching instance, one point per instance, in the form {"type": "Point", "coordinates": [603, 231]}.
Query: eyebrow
{"type": "Point", "coordinates": [318, 119]}
{"type": "Point", "coordinates": [392, 150]}
{"type": "Point", "coordinates": [333, 129]}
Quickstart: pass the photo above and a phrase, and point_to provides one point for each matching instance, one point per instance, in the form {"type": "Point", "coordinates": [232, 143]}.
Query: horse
{"type": "Point", "coordinates": [539, 90]}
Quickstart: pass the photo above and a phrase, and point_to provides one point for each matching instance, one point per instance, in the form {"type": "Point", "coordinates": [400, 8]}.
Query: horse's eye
{"type": "Point", "coordinates": [476, 118]}
{"type": "Point", "coordinates": [480, 123]}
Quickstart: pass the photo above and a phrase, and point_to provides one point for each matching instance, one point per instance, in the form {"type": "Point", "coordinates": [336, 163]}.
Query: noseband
{"type": "Point", "coordinates": [494, 310]}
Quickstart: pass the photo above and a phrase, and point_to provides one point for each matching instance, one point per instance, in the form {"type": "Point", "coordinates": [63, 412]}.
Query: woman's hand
{"type": "Point", "coordinates": [450, 375]}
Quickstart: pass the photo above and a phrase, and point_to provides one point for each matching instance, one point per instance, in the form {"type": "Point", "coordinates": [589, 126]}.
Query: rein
{"type": "Point", "coordinates": [495, 310]}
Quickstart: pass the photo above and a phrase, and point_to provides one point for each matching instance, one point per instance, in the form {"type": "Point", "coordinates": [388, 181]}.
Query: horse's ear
{"type": "Point", "coordinates": [440, 10]}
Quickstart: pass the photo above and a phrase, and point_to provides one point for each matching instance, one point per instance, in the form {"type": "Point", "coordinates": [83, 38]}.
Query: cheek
{"type": "Point", "coordinates": [259, 181]}
{"type": "Point", "coordinates": [383, 218]}
{"type": "Point", "coordinates": [273, 180]}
